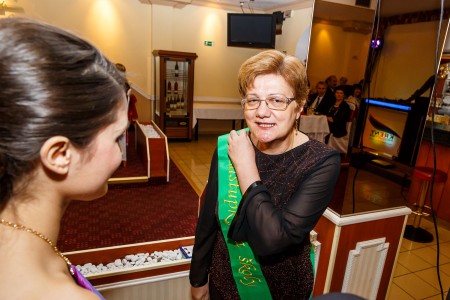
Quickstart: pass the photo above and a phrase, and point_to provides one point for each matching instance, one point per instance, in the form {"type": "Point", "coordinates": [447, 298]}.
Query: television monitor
{"type": "Point", "coordinates": [251, 30]}
{"type": "Point", "coordinates": [384, 127]}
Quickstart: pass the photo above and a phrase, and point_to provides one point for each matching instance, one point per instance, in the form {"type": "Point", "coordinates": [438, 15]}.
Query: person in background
{"type": "Point", "coordinates": [331, 82]}
{"type": "Point", "coordinates": [338, 115]}
{"type": "Point", "coordinates": [354, 102]}
{"type": "Point", "coordinates": [266, 191]}
{"type": "Point", "coordinates": [319, 102]}
{"type": "Point", "coordinates": [348, 90]}
{"type": "Point", "coordinates": [132, 100]}
{"type": "Point", "coordinates": [72, 108]}
{"type": "Point", "coordinates": [354, 98]}
{"type": "Point", "coordinates": [357, 93]}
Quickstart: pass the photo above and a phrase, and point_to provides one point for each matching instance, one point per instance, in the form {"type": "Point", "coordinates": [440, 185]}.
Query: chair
{"type": "Point", "coordinates": [414, 232]}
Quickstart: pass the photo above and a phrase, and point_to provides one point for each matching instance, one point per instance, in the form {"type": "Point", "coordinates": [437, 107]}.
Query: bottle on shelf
{"type": "Point", "coordinates": [176, 69]}
{"type": "Point", "coordinates": [182, 104]}
{"type": "Point", "coordinates": [179, 104]}
{"type": "Point", "coordinates": [169, 92]}
{"type": "Point", "coordinates": [168, 104]}
{"type": "Point", "coordinates": [173, 105]}
{"type": "Point", "coordinates": [175, 97]}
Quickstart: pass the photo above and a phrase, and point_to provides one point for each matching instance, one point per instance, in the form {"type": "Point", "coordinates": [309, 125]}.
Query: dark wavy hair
{"type": "Point", "coordinates": [52, 83]}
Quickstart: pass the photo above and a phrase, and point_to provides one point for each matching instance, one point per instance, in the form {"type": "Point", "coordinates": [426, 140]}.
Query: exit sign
{"type": "Point", "coordinates": [208, 43]}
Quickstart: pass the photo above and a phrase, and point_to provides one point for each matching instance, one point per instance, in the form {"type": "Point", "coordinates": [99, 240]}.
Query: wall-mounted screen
{"type": "Point", "coordinates": [251, 30]}
{"type": "Point", "coordinates": [384, 127]}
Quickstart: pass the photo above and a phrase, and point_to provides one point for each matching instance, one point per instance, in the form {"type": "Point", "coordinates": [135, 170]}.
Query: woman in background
{"type": "Point", "coordinates": [339, 114]}
{"type": "Point", "coordinates": [62, 109]}
{"type": "Point", "coordinates": [256, 246]}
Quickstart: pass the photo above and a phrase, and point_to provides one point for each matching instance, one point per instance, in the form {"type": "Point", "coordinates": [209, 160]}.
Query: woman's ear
{"type": "Point", "coordinates": [299, 111]}
{"type": "Point", "coordinates": [55, 154]}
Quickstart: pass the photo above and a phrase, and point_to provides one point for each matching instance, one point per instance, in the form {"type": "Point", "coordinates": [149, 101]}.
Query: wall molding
{"type": "Point", "coordinates": [365, 217]}
{"type": "Point", "coordinates": [364, 268]}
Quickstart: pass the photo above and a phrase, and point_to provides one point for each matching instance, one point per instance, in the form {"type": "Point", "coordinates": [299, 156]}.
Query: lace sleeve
{"type": "Point", "coordinates": [269, 230]}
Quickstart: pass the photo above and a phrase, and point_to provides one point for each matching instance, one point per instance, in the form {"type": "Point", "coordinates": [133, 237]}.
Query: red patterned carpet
{"type": "Point", "coordinates": [132, 213]}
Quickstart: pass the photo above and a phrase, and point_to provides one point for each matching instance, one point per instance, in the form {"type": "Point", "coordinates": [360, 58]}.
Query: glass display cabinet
{"type": "Point", "coordinates": [174, 91]}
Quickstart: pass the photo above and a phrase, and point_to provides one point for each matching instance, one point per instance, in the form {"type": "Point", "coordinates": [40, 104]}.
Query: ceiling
{"type": "Point", "coordinates": [263, 5]}
{"type": "Point", "coordinates": [388, 7]}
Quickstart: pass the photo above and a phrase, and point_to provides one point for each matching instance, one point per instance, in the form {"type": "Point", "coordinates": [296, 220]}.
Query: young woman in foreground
{"type": "Point", "coordinates": [62, 109]}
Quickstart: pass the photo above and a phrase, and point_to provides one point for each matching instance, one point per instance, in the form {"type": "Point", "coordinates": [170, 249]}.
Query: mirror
{"type": "Point", "coordinates": [341, 39]}
{"type": "Point", "coordinates": [340, 35]}
{"type": "Point", "coordinates": [406, 58]}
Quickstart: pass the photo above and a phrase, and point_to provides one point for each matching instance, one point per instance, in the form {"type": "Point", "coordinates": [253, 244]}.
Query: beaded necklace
{"type": "Point", "coordinates": [40, 235]}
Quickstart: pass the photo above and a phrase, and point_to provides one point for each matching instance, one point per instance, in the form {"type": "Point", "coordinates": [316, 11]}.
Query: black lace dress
{"type": "Point", "coordinates": [275, 218]}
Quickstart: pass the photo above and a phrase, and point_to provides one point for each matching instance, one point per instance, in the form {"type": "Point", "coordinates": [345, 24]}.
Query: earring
{"type": "Point", "coordinates": [297, 125]}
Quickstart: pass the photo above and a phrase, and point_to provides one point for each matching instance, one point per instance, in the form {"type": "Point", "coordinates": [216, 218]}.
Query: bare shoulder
{"type": "Point", "coordinates": [22, 277]}
{"type": "Point", "coordinates": [44, 290]}
{"type": "Point", "coordinates": [60, 287]}
{"type": "Point", "coordinates": [69, 291]}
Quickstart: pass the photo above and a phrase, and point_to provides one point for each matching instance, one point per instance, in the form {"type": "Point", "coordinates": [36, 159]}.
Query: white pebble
{"type": "Point", "coordinates": [131, 261]}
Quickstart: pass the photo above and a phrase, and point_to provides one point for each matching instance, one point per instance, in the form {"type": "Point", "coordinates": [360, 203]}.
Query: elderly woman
{"type": "Point", "coordinates": [267, 189]}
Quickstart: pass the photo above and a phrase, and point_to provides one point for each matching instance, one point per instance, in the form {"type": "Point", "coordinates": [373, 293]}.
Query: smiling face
{"type": "Point", "coordinates": [271, 129]}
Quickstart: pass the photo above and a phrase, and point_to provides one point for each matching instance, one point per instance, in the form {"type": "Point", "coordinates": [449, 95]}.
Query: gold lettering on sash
{"type": "Point", "coordinates": [231, 215]}
{"type": "Point", "coordinates": [231, 204]}
{"type": "Point", "coordinates": [239, 244]}
{"type": "Point", "coordinates": [232, 192]}
{"type": "Point", "coordinates": [246, 269]}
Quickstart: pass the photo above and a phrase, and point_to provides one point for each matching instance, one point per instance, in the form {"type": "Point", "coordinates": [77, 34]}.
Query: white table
{"type": "Point", "coordinates": [315, 126]}
{"type": "Point", "coordinates": [216, 111]}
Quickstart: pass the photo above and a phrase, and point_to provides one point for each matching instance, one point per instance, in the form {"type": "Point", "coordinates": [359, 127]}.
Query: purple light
{"type": "Point", "coordinates": [376, 43]}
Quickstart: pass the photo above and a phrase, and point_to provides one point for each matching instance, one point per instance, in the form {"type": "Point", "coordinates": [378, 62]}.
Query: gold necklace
{"type": "Point", "coordinates": [40, 235]}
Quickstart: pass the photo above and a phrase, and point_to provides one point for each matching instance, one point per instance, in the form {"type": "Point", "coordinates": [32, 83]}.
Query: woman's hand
{"type": "Point", "coordinates": [240, 148]}
{"type": "Point", "coordinates": [200, 293]}
{"type": "Point", "coordinates": [242, 155]}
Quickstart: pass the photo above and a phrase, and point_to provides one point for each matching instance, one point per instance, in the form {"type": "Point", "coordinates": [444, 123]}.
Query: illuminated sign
{"type": "Point", "coordinates": [388, 105]}
{"type": "Point", "coordinates": [384, 129]}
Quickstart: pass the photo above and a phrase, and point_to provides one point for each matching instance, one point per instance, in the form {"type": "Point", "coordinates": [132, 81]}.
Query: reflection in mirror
{"type": "Point", "coordinates": [377, 170]}
{"type": "Point", "coordinates": [406, 57]}
{"type": "Point", "coordinates": [400, 72]}
{"type": "Point", "coordinates": [340, 35]}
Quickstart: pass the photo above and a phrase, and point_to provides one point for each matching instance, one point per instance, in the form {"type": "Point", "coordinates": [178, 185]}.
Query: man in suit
{"type": "Point", "coordinates": [331, 82]}
{"type": "Point", "coordinates": [320, 101]}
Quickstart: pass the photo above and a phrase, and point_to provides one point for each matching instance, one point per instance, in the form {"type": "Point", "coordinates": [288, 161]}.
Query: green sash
{"type": "Point", "coordinates": [247, 272]}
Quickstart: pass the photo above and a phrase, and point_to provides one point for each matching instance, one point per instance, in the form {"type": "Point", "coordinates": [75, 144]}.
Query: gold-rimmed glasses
{"type": "Point", "coordinates": [273, 102]}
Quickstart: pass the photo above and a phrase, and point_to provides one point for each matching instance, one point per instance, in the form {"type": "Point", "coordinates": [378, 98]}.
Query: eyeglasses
{"type": "Point", "coordinates": [274, 102]}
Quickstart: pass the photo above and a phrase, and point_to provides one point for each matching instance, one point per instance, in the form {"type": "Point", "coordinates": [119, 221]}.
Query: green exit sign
{"type": "Point", "coordinates": [208, 43]}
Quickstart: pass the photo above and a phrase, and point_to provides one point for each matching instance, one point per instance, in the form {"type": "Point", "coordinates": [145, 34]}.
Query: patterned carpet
{"type": "Point", "coordinates": [132, 213]}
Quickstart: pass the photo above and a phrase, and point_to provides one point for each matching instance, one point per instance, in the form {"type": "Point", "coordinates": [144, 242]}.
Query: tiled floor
{"type": "Point", "coordinates": [415, 275]}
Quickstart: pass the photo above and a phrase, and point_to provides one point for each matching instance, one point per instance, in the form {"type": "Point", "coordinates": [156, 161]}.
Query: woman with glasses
{"type": "Point", "coordinates": [267, 188]}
